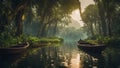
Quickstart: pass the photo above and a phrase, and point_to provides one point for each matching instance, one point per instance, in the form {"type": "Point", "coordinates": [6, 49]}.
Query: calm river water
{"type": "Point", "coordinates": [66, 55]}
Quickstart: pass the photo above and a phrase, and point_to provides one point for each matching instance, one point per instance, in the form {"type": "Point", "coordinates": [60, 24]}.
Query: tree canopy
{"type": "Point", "coordinates": [47, 13]}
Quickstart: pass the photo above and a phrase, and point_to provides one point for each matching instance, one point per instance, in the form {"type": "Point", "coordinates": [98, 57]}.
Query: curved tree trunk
{"type": "Point", "coordinates": [79, 5]}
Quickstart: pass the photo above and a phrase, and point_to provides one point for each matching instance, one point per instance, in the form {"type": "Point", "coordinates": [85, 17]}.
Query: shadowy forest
{"type": "Point", "coordinates": [47, 18]}
{"type": "Point", "coordinates": [102, 21]}
{"type": "Point", "coordinates": [103, 18]}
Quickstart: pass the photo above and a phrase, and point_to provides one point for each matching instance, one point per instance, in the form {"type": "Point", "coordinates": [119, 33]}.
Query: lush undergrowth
{"type": "Point", "coordinates": [109, 41]}
{"type": "Point", "coordinates": [44, 40]}
{"type": "Point", "coordinates": [7, 41]}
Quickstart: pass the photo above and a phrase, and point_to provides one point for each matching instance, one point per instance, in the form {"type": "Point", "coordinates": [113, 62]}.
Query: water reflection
{"type": "Point", "coordinates": [75, 60]}
{"type": "Point", "coordinates": [65, 56]}
{"type": "Point", "coordinates": [91, 60]}
{"type": "Point", "coordinates": [112, 56]}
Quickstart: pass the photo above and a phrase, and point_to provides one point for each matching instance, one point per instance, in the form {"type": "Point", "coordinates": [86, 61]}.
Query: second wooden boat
{"type": "Point", "coordinates": [88, 47]}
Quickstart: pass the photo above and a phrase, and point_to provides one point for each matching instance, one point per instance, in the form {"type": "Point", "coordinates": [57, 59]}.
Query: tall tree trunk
{"type": "Point", "coordinates": [103, 18]}
{"type": "Point", "coordinates": [43, 31]}
{"type": "Point", "coordinates": [91, 29]}
{"type": "Point", "coordinates": [109, 26]}
{"type": "Point", "coordinates": [18, 22]}
{"type": "Point", "coordinates": [48, 30]}
{"type": "Point", "coordinates": [100, 28]}
{"type": "Point", "coordinates": [55, 28]}
{"type": "Point", "coordinates": [96, 28]}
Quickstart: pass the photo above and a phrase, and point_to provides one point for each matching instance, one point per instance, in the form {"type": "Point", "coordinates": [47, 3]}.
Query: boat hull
{"type": "Point", "coordinates": [15, 49]}
{"type": "Point", "coordinates": [92, 48]}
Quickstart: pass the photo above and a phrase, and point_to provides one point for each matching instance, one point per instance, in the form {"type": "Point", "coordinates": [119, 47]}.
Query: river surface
{"type": "Point", "coordinates": [66, 55]}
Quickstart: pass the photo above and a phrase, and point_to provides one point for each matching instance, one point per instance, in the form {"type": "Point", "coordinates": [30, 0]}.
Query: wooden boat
{"type": "Point", "coordinates": [88, 47]}
{"type": "Point", "coordinates": [14, 49]}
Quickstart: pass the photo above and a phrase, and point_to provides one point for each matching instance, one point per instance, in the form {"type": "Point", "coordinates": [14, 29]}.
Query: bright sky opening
{"type": "Point", "coordinates": [76, 14]}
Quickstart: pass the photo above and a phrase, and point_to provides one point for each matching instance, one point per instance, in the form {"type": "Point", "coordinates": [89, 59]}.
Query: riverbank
{"type": "Point", "coordinates": [37, 42]}
{"type": "Point", "coordinates": [32, 40]}
{"type": "Point", "coordinates": [108, 41]}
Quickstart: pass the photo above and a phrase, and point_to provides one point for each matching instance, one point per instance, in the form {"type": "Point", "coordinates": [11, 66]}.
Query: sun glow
{"type": "Point", "coordinates": [76, 16]}
{"type": "Point", "coordinates": [75, 62]}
